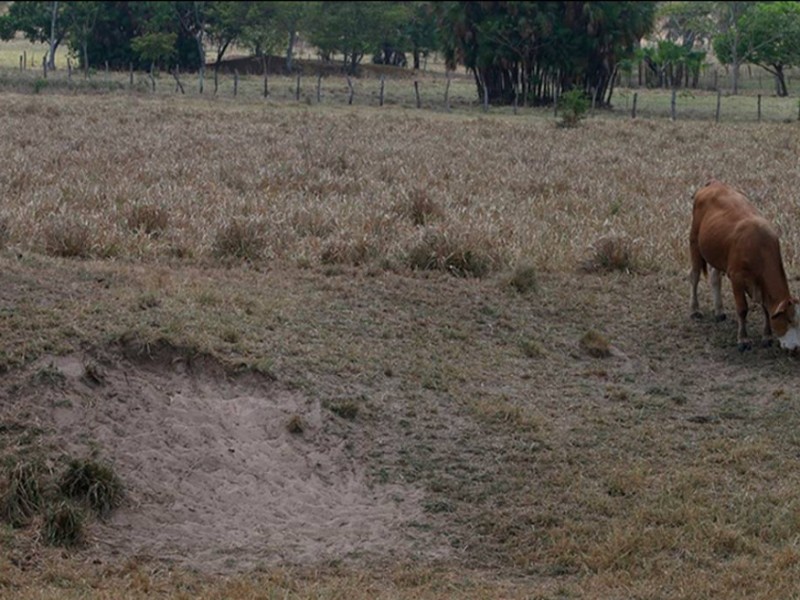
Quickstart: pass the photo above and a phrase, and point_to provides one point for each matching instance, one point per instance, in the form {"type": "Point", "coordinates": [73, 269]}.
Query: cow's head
{"type": "Point", "coordinates": [785, 324]}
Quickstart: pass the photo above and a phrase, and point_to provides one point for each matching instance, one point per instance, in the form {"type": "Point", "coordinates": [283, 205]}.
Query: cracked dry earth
{"type": "Point", "coordinates": [218, 477]}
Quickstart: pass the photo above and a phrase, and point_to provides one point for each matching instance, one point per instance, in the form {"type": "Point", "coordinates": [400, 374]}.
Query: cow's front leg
{"type": "Point", "coordinates": [715, 279]}
{"type": "Point", "coordinates": [740, 299]}
{"type": "Point", "coordinates": [766, 338]}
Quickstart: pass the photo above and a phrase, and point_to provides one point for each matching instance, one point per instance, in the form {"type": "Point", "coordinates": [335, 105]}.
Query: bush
{"type": "Point", "coordinates": [610, 253]}
{"type": "Point", "coordinates": [574, 105]}
{"type": "Point", "coordinates": [447, 251]}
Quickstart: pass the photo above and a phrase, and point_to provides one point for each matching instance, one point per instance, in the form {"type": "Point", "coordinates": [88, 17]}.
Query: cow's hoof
{"type": "Point", "coordinates": [745, 346]}
{"type": "Point", "coordinates": [767, 343]}
{"type": "Point", "coordinates": [696, 315]}
{"type": "Point", "coordinates": [719, 318]}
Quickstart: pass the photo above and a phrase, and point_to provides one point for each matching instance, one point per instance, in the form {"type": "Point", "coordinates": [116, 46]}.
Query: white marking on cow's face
{"type": "Point", "coordinates": [791, 339]}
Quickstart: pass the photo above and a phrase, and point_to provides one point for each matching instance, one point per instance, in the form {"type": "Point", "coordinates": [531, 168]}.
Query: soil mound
{"type": "Point", "coordinates": [221, 472]}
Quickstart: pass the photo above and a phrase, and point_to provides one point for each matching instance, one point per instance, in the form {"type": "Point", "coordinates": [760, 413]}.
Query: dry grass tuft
{"type": "Point", "coordinates": [347, 251]}
{"type": "Point", "coordinates": [93, 483]}
{"type": "Point", "coordinates": [595, 344]}
{"type": "Point", "coordinates": [68, 236]}
{"type": "Point", "coordinates": [64, 525]}
{"type": "Point", "coordinates": [419, 207]}
{"type": "Point", "coordinates": [5, 232]}
{"type": "Point", "coordinates": [454, 252]}
{"type": "Point", "coordinates": [242, 238]}
{"type": "Point", "coordinates": [23, 495]}
{"type": "Point", "coordinates": [523, 279]}
{"type": "Point", "coordinates": [610, 253]}
{"type": "Point", "coordinates": [151, 219]}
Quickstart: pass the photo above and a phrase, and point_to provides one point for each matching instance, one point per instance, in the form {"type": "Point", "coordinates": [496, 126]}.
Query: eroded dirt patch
{"type": "Point", "coordinates": [222, 473]}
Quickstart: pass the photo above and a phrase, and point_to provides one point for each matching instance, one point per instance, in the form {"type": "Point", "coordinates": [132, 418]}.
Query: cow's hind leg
{"type": "Point", "coordinates": [697, 267]}
{"type": "Point", "coordinates": [715, 279]}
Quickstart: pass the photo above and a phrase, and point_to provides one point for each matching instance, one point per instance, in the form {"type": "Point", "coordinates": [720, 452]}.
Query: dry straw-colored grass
{"type": "Point", "coordinates": [321, 185]}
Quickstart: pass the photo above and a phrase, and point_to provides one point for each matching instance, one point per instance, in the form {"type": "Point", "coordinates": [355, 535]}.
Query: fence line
{"type": "Point", "coordinates": [436, 93]}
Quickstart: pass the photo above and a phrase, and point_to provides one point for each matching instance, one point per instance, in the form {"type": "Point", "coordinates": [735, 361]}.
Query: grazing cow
{"type": "Point", "coordinates": [730, 236]}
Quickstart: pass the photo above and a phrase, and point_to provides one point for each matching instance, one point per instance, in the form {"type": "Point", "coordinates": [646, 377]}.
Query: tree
{"type": "Point", "coordinates": [540, 49]}
{"type": "Point", "coordinates": [348, 28]}
{"type": "Point", "coordinates": [689, 25]}
{"type": "Point", "coordinates": [769, 36]}
{"type": "Point", "coordinates": [154, 47]}
{"type": "Point", "coordinates": [80, 17]}
{"type": "Point", "coordinates": [193, 17]}
{"type": "Point", "coordinates": [728, 43]}
{"type": "Point", "coordinates": [39, 22]}
{"type": "Point", "coordinates": [421, 31]}
{"type": "Point", "coordinates": [226, 24]}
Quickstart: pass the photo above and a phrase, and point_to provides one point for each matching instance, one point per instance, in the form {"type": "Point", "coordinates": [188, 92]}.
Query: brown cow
{"type": "Point", "coordinates": [729, 235]}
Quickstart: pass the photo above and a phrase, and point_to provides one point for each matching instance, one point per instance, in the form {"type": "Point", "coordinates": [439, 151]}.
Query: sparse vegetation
{"type": "Point", "coordinates": [23, 494]}
{"type": "Point", "coordinates": [595, 344]}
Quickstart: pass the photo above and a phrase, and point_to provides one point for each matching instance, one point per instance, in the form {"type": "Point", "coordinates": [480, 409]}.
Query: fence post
{"type": "Point", "coordinates": [20, 63]}
{"type": "Point", "coordinates": [69, 70]}
{"type": "Point", "coordinates": [352, 91]}
{"type": "Point", "coordinates": [152, 79]}
{"type": "Point", "coordinates": [719, 101]}
{"type": "Point", "coordinates": [235, 82]}
{"type": "Point", "coordinates": [264, 68]}
{"type": "Point", "coordinates": [44, 66]}
{"type": "Point", "coordinates": [130, 75]}
{"type": "Point", "coordinates": [24, 60]}
{"type": "Point", "coordinates": [416, 93]}
{"type": "Point", "coordinates": [319, 88]}
{"type": "Point", "coordinates": [447, 93]}
{"type": "Point", "coordinates": [633, 109]}
{"type": "Point", "coordinates": [297, 89]}
{"type": "Point", "coordinates": [106, 72]}
{"type": "Point", "coordinates": [672, 104]}
{"type": "Point", "coordinates": [759, 107]}
{"type": "Point", "coordinates": [380, 96]}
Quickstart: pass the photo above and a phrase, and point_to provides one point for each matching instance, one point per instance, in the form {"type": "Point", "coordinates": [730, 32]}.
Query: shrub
{"type": "Point", "coordinates": [574, 105]}
{"type": "Point", "coordinates": [93, 483]}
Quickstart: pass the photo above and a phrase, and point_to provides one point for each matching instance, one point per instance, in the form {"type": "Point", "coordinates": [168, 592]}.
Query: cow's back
{"type": "Point", "coordinates": [726, 228]}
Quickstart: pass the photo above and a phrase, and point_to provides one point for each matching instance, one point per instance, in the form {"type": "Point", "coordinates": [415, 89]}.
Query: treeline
{"type": "Point", "coordinates": [519, 52]}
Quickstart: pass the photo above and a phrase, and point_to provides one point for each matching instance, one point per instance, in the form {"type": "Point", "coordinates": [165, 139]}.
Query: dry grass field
{"type": "Point", "coordinates": [350, 352]}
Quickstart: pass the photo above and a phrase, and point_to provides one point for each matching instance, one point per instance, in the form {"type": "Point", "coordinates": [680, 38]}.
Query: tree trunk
{"type": "Point", "coordinates": [416, 58]}
{"type": "Point", "coordinates": [780, 82]}
{"type": "Point", "coordinates": [51, 58]}
{"type": "Point", "coordinates": [290, 50]}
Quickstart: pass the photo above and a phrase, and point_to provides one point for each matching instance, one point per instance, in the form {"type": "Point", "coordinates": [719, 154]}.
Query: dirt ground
{"type": "Point", "coordinates": [483, 431]}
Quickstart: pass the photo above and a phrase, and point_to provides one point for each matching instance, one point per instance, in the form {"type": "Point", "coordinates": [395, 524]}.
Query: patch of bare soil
{"type": "Point", "coordinates": [221, 472]}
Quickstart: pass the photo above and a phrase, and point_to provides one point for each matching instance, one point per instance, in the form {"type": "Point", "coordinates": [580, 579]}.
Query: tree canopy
{"type": "Point", "coordinates": [535, 50]}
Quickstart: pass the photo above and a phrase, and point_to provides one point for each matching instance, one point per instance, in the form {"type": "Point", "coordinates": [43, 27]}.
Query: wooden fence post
{"type": "Point", "coordinates": [44, 66]}
{"type": "Point", "coordinates": [352, 91]}
{"type": "Point", "coordinates": [380, 95]}
{"type": "Point", "coordinates": [24, 60]}
{"type": "Point", "coordinates": [152, 79]}
{"type": "Point", "coordinates": [759, 107]}
{"type": "Point", "coordinates": [447, 93]}
{"type": "Point", "coordinates": [633, 109]}
{"type": "Point", "coordinates": [178, 84]}
{"type": "Point", "coordinates": [130, 75]}
{"type": "Point", "coordinates": [106, 72]}
{"type": "Point", "coordinates": [416, 93]}
{"type": "Point", "coordinates": [20, 63]}
{"type": "Point", "coordinates": [319, 88]}
{"type": "Point", "coordinates": [672, 107]}
{"type": "Point", "coordinates": [719, 101]}
{"type": "Point", "coordinates": [297, 89]}
{"type": "Point", "coordinates": [69, 71]}
{"type": "Point", "coordinates": [266, 82]}
{"type": "Point", "coordinates": [235, 82]}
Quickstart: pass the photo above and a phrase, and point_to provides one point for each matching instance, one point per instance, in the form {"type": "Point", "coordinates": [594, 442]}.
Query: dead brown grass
{"type": "Point", "coordinates": [552, 468]}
